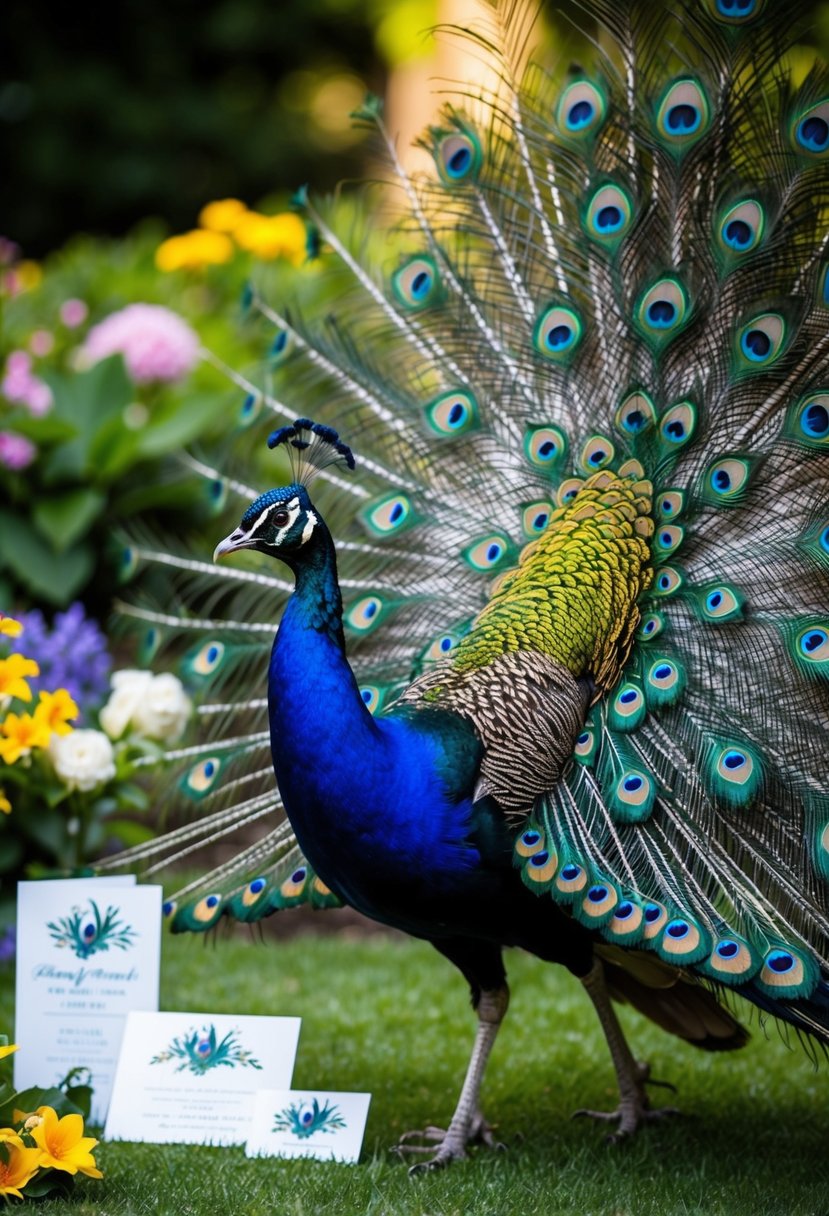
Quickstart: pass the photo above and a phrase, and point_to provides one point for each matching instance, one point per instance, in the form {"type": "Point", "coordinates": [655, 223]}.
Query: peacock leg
{"type": "Point", "coordinates": [634, 1107]}
{"type": "Point", "coordinates": [468, 1125]}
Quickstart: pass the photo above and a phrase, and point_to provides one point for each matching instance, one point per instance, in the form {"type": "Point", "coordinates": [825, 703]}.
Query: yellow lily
{"type": "Point", "coordinates": [21, 732]}
{"type": "Point", "coordinates": [55, 710]}
{"type": "Point", "coordinates": [13, 671]}
{"type": "Point", "coordinates": [63, 1145]}
{"type": "Point", "coordinates": [21, 1166]}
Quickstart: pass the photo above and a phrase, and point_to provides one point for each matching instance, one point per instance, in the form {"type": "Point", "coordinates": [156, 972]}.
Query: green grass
{"type": "Point", "coordinates": [392, 1017]}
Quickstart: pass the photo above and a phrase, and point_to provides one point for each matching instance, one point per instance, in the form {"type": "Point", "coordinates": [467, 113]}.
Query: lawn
{"type": "Point", "coordinates": [390, 1016]}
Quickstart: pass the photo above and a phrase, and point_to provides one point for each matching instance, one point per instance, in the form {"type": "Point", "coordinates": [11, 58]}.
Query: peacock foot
{"type": "Point", "coordinates": [451, 1144]}
{"type": "Point", "coordinates": [634, 1107]}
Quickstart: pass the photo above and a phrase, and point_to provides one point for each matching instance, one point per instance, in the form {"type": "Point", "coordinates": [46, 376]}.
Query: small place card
{"type": "Point", "coordinates": [88, 952]}
{"type": "Point", "coordinates": [190, 1078]}
{"type": "Point", "coordinates": [307, 1123]}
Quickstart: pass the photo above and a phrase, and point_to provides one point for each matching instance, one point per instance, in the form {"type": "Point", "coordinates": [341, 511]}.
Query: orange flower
{"type": "Point", "coordinates": [20, 733]}
{"type": "Point", "coordinates": [20, 1167]}
{"type": "Point", "coordinates": [55, 710]}
{"type": "Point", "coordinates": [63, 1145]}
{"type": "Point", "coordinates": [12, 673]}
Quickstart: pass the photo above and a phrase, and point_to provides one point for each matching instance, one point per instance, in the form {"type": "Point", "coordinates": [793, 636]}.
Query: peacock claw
{"type": "Point", "coordinates": [451, 1144]}
{"type": "Point", "coordinates": [634, 1107]}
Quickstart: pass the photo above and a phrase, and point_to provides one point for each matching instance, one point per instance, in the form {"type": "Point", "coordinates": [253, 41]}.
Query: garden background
{"type": "Point", "coordinates": [150, 162]}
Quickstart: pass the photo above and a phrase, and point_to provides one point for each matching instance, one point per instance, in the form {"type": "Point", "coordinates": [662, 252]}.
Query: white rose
{"type": "Point", "coordinates": [82, 759]}
{"type": "Point", "coordinates": [164, 709]}
{"type": "Point", "coordinates": [129, 687]}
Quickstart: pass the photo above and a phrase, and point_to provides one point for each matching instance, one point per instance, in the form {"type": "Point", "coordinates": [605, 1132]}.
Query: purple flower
{"type": "Point", "coordinates": [22, 387]}
{"type": "Point", "coordinates": [16, 452]}
{"type": "Point", "coordinates": [157, 344]}
{"type": "Point", "coordinates": [7, 944]}
{"type": "Point", "coordinates": [73, 313]}
{"type": "Point", "coordinates": [73, 655]}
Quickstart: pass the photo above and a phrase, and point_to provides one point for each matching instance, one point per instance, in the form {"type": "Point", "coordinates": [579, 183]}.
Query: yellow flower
{"type": "Point", "coordinates": [222, 215]}
{"type": "Point", "coordinates": [28, 274]}
{"type": "Point", "coordinates": [7, 1049]}
{"type": "Point", "coordinates": [273, 236]}
{"type": "Point", "coordinates": [63, 1144]}
{"type": "Point", "coordinates": [12, 672]}
{"type": "Point", "coordinates": [5, 809]}
{"type": "Point", "coordinates": [10, 627]}
{"type": "Point", "coordinates": [55, 710]}
{"type": "Point", "coordinates": [21, 1166]}
{"type": "Point", "coordinates": [21, 732]}
{"type": "Point", "coordinates": [193, 251]}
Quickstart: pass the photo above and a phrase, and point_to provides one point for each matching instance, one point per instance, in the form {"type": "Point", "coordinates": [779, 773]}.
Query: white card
{"type": "Point", "coordinates": [190, 1078]}
{"type": "Point", "coordinates": [88, 952]}
{"type": "Point", "coordinates": [307, 1123]}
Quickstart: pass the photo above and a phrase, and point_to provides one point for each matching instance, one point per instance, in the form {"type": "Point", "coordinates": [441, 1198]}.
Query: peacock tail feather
{"type": "Point", "coordinates": [589, 395]}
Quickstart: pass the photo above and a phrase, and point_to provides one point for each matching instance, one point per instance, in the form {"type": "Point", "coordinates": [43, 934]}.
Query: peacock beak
{"type": "Point", "coordinates": [230, 544]}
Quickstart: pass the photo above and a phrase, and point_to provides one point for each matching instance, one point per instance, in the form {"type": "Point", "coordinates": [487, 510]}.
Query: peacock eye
{"type": "Point", "coordinates": [280, 519]}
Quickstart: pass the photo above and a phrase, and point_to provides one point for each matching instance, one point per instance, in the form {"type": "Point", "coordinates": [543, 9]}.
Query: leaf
{"type": "Point", "coordinates": [86, 400]}
{"type": "Point", "coordinates": [11, 853]}
{"type": "Point", "coordinates": [53, 577]}
{"type": "Point", "coordinates": [45, 430]}
{"type": "Point", "coordinates": [64, 518]}
{"type": "Point", "coordinates": [47, 1183]}
{"type": "Point", "coordinates": [129, 832]}
{"type": "Point", "coordinates": [177, 426]}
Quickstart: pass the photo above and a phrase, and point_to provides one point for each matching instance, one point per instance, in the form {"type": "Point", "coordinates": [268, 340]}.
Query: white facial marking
{"type": "Point", "coordinates": [309, 527]}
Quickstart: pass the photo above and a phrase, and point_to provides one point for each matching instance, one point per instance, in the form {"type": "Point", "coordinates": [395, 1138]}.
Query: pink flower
{"type": "Point", "coordinates": [155, 342]}
{"type": "Point", "coordinates": [73, 313]}
{"type": "Point", "coordinates": [22, 388]}
{"type": "Point", "coordinates": [41, 342]}
{"type": "Point", "coordinates": [16, 452]}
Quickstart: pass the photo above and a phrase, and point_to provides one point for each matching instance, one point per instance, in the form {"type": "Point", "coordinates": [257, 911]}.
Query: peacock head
{"type": "Point", "coordinates": [280, 523]}
{"type": "Point", "coordinates": [283, 522]}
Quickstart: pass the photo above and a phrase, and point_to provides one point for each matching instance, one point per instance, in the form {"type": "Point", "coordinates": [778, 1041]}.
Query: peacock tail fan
{"type": "Point", "coordinates": [621, 272]}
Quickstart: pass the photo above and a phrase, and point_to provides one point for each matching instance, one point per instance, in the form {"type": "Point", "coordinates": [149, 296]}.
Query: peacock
{"type": "Point", "coordinates": [552, 651]}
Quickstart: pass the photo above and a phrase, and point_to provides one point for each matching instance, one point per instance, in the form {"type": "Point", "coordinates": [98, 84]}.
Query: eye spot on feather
{"type": "Point", "coordinates": [735, 12]}
{"type": "Point", "coordinates": [720, 603]}
{"type": "Point", "coordinates": [416, 284]}
{"type": "Point", "coordinates": [206, 660]}
{"type": "Point", "coordinates": [487, 553]}
{"type": "Point", "coordinates": [652, 625]}
{"type": "Point", "coordinates": [786, 973]}
{"type": "Point", "coordinates": [585, 746]}
{"type": "Point", "coordinates": [683, 114]}
{"type": "Point", "coordinates": [458, 156]}
{"type": "Point", "coordinates": [678, 423]}
{"type": "Point", "coordinates": [253, 892]}
{"type": "Point", "coordinates": [662, 310]}
{"type": "Point", "coordinates": [571, 879]}
{"type": "Point", "coordinates": [635, 414]}
{"type": "Point", "coordinates": [544, 445]}
{"type": "Point", "coordinates": [202, 776]}
{"type": "Point", "coordinates": [452, 414]}
{"type": "Point", "coordinates": [609, 214]}
{"type": "Point", "coordinates": [726, 480]}
{"type": "Point", "coordinates": [741, 228]}
{"type": "Point", "coordinates": [762, 340]}
{"type": "Point", "coordinates": [581, 109]}
{"type": "Point", "coordinates": [568, 490]}
{"type": "Point", "coordinates": [812, 130]}
{"type": "Point", "coordinates": [535, 516]}
{"type": "Point", "coordinates": [365, 614]}
{"type": "Point", "coordinates": [168, 908]}
{"type": "Point", "coordinates": [388, 514]}
{"type": "Point", "coordinates": [669, 580]}
{"type": "Point", "coordinates": [557, 332]}
{"type": "Point", "coordinates": [814, 645]}
{"type": "Point", "coordinates": [627, 708]}
{"type": "Point", "coordinates": [597, 453]}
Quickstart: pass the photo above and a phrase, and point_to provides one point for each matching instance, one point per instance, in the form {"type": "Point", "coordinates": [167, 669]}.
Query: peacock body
{"type": "Point", "coordinates": [580, 568]}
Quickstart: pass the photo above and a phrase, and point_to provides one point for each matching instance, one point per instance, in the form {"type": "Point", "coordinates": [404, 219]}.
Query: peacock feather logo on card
{"type": "Point", "coordinates": [87, 931]}
{"type": "Point", "coordinates": [200, 1051]}
{"type": "Point", "coordinates": [303, 1119]}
